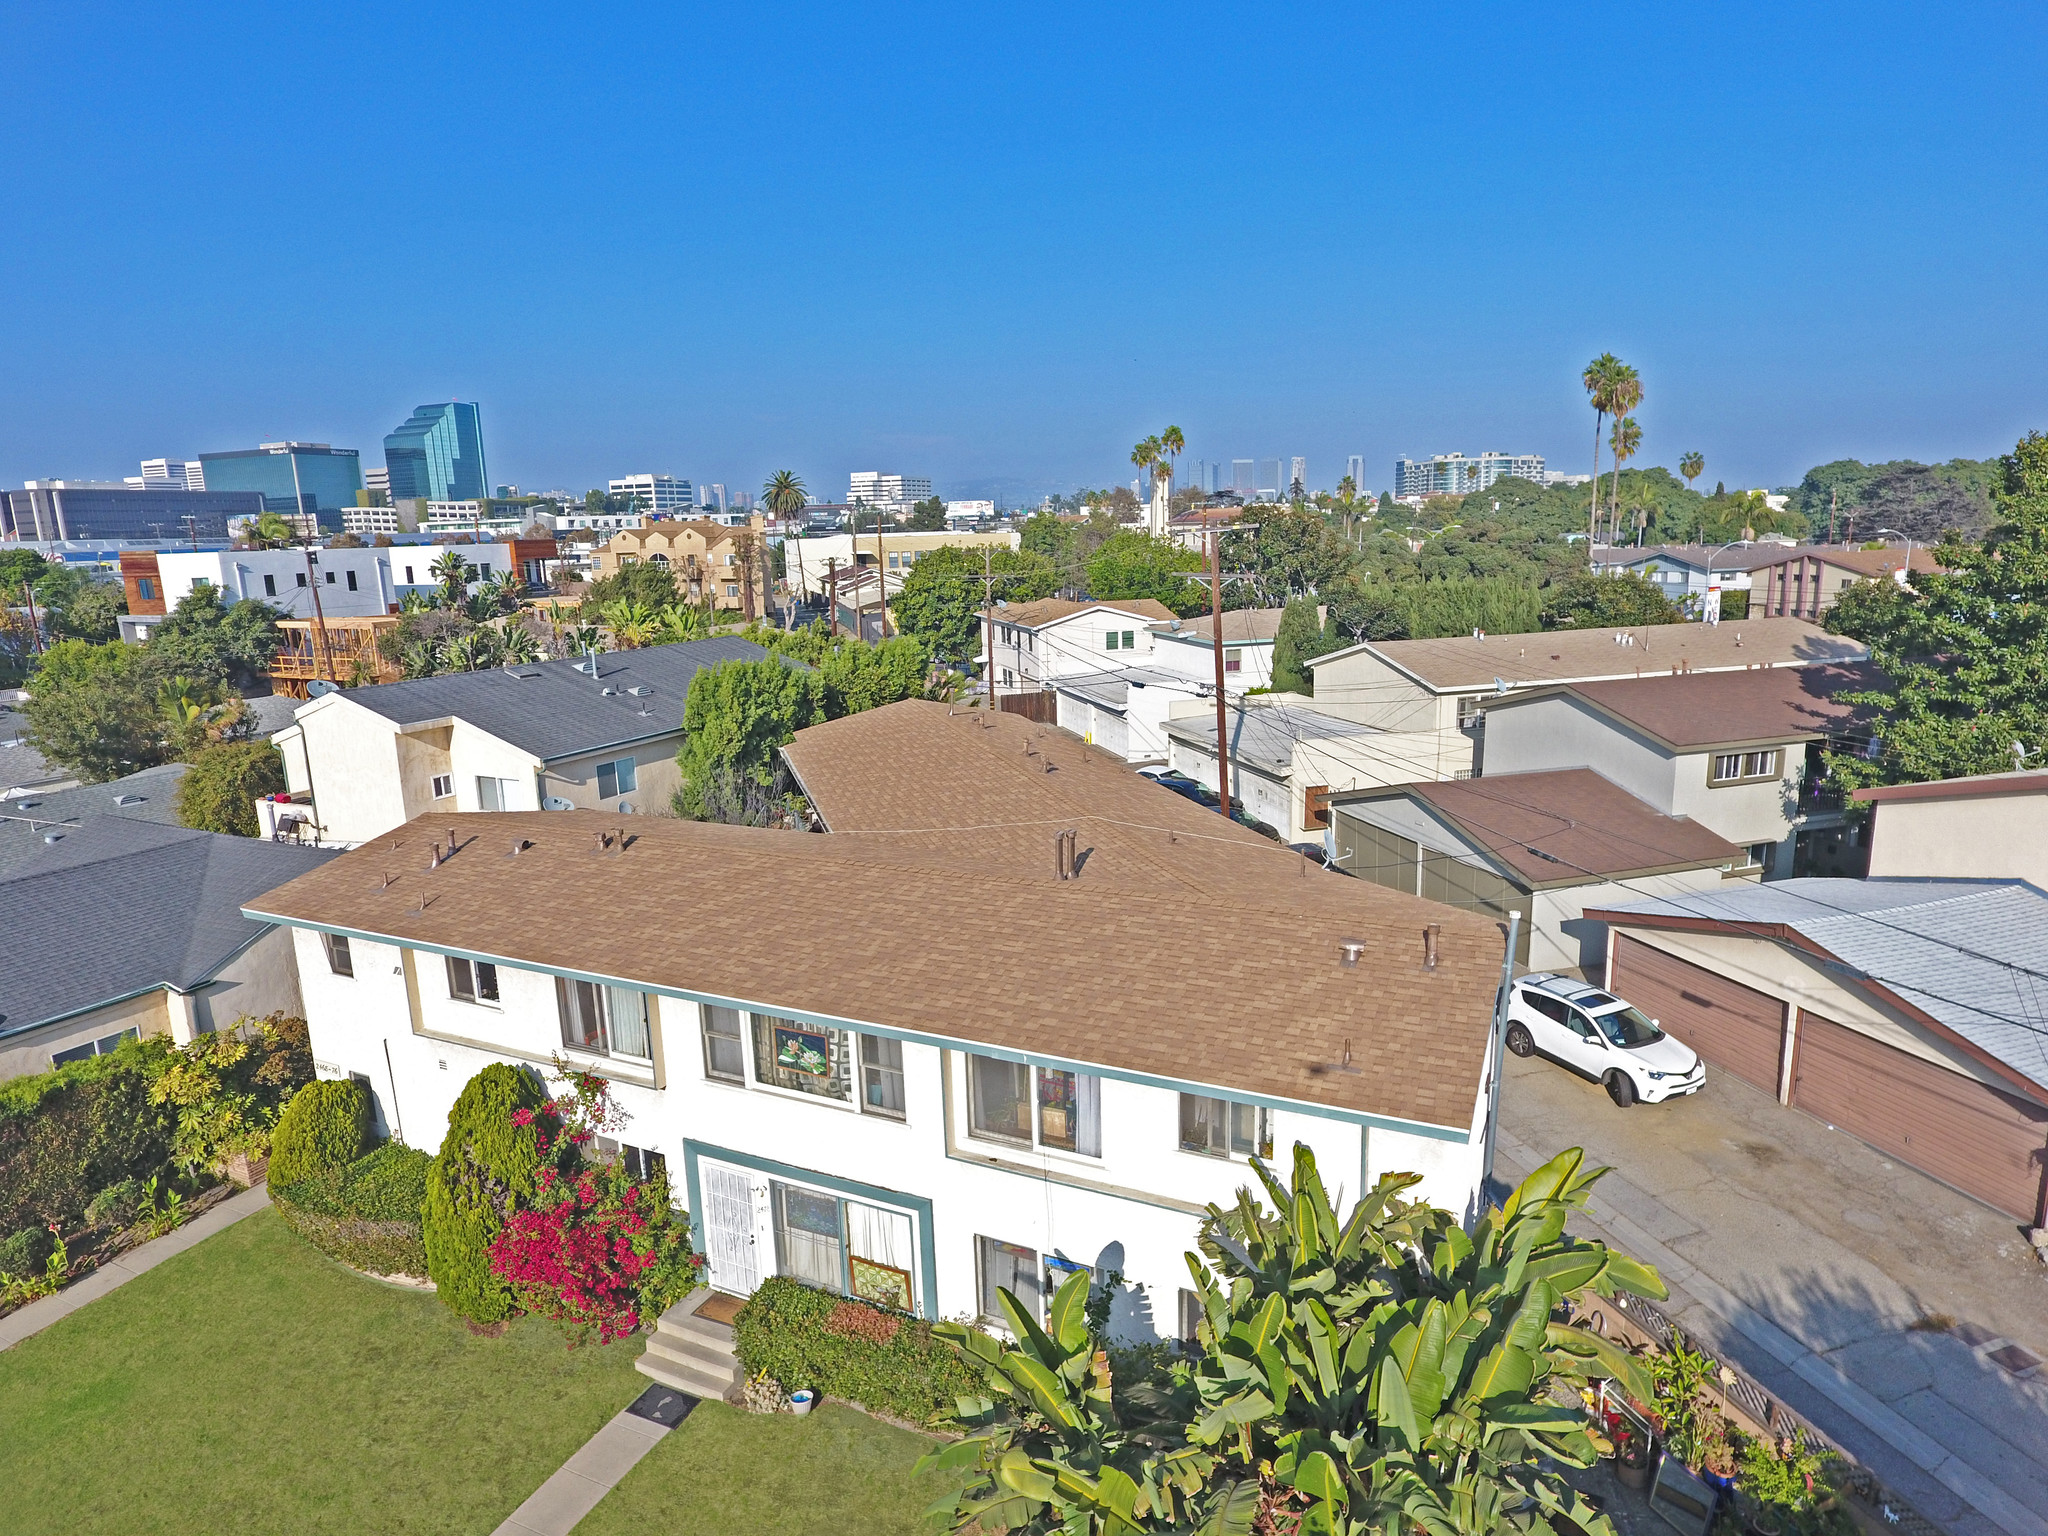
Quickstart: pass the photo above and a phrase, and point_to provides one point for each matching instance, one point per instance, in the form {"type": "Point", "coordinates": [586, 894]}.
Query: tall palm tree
{"type": "Point", "coordinates": [785, 498]}
{"type": "Point", "coordinates": [1623, 439]}
{"type": "Point", "coordinates": [1692, 466]}
{"type": "Point", "coordinates": [451, 570]}
{"type": "Point", "coordinates": [1599, 380]}
{"type": "Point", "coordinates": [1625, 395]}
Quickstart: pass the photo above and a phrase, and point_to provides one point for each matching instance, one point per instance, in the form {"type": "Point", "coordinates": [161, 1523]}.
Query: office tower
{"type": "Point", "coordinates": [173, 475]}
{"type": "Point", "coordinates": [438, 454]}
{"type": "Point", "coordinates": [1269, 477]}
{"type": "Point", "coordinates": [663, 495]}
{"type": "Point", "coordinates": [891, 493]}
{"type": "Point", "coordinates": [1355, 468]}
{"type": "Point", "coordinates": [1241, 480]}
{"type": "Point", "coordinates": [1452, 474]}
{"type": "Point", "coordinates": [291, 477]}
{"type": "Point", "coordinates": [378, 480]}
{"type": "Point", "coordinates": [1297, 475]}
{"type": "Point", "coordinates": [76, 509]}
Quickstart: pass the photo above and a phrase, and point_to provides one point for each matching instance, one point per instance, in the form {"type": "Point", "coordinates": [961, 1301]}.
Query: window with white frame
{"type": "Point", "coordinates": [881, 1076]}
{"type": "Point", "coordinates": [1223, 1128]}
{"type": "Point", "coordinates": [444, 785]}
{"type": "Point", "coordinates": [339, 960]}
{"type": "Point", "coordinates": [1011, 1267]}
{"type": "Point", "coordinates": [603, 1020]}
{"type": "Point", "coordinates": [472, 981]}
{"type": "Point", "coordinates": [725, 1050]}
{"type": "Point", "coordinates": [494, 794]}
{"type": "Point", "coordinates": [803, 1058]}
{"type": "Point", "coordinates": [1034, 1106]}
{"type": "Point", "coordinates": [1233, 660]}
{"type": "Point", "coordinates": [618, 777]}
{"type": "Point", "coordinates": [1742, 767]}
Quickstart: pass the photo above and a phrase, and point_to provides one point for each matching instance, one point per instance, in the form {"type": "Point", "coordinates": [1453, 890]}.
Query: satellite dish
{"type": "Point", "coordinates": [557, 803]}
{"type": "Point", "coordinates": [319, 688]}
{"type": "Point", "coordinates": [625, 807]}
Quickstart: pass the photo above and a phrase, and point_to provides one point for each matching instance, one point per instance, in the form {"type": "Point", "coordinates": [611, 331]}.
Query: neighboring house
{"type": "Point", "coordinates": [1683, 572]}
{"type": "Point", "coordinates": [1039, 642]}
{"type": "Point", "coordinates": [808, 562]}
{"type": "Point", "coordinates": [22, 767]}
{"type": "Point", "coordinates": [1185, 646]}
{"type": "Point", "coordinates": [1549, 845]}
{"type": "Point", "coordinates": [1986, 826]}
{"type": "Point", "coordinates": [1903, 1012]}
{"type": "Point", "coordinates": [1445, 685]}
{"type": "Point", "coordinates": [834, 1108]}
{"type": "Point", "coordinates": [1288, 758]}
{"type": "Point", "coordinates": [28, 816]}
{"type": "Point", "coordinates": [706, 559]}
{"type": "Point", "coordinates": [1194, 528]}
{"type": "Point", "coordinates": [1125, 711]}
{"type": "Point", "coordinates": [1804, 583]}
{"type": "Point", "coordinates": [117, 928]}
{"type": "Point", "coordinates": [548, 735]}
{"type": "Point", "coordinates": [1738, 752]}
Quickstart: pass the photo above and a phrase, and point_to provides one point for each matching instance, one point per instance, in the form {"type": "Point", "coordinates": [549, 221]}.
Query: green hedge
{"type": "Point", "coordinates": [67, 1134]}
{"type": "Point", "coordinates": [326, 1125]}
{"type": "Point", "coordinates": [484, 1171]}
{"type": "Point", "coordinates": [784, 1329]}
{"type": "Point", "coordinates": [366, 1214]}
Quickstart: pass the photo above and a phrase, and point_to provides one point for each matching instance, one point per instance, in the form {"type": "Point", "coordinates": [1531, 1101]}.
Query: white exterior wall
{"type": "Point", "coordinates": [1338, 763]}
{"type": "Point", "coordinates": [240, 573]}
{"type": "Point", "coordinates": [1195, 660]}
{"type": "Point", "coordinates": [806, 560]}
{"type": "Point", "coordinates": [1135, 1208]}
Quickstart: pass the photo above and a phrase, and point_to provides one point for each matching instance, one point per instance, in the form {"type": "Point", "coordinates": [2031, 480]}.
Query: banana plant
{"type": "Point", "coordinates": [1395, 1371]}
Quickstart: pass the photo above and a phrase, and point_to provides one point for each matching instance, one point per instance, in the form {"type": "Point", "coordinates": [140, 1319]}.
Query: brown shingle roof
{"type": "Point", "coordinates": [1239, 626]}
{"type": "Point", "coordinates": [1240, 990]}
{"type": "Point", "coordinates": [1582, 655]}
{"type": "Point", "coordinates": [1566, 826]}
{"type": "Point", "coordinates": [1045, 610]}
{"type": "Point", "coordinates": [1865, 562]}
{"type": "Point", "coordinates": [1713, 709]}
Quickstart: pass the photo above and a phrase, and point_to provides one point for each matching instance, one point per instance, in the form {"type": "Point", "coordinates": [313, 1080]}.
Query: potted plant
{"type": "Point", "coordinates": [1631, 1456]}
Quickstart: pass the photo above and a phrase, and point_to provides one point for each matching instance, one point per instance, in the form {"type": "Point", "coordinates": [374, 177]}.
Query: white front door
{"type": "Point", "coordinates": [729, 1230]}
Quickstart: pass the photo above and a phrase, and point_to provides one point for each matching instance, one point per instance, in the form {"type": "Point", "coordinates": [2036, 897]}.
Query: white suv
{"type": "Point", "coordinates": [1599, 1036]}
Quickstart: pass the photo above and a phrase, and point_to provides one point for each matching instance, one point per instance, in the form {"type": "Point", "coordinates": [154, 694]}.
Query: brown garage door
{"type": "Point", "coordinates": [1733, 1027]}
{"type": "Point", "coordinates": [1983, 1142]}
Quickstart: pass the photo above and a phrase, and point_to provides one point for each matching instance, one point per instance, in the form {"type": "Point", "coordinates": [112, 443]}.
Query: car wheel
{"type": "Point", "coordinates": [1519, 1041]}
{"type": "Point", "coordinates": [1621, 1088]}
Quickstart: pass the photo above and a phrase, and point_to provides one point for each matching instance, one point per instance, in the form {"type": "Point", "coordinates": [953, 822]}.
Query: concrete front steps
{"type": "Point", "coordinates": [690, 1353]}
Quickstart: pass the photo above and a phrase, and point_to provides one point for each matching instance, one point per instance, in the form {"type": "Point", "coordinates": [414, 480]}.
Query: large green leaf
{"type": "Point", "coordinates": [1015, 1472]}
{"type": "Point", "coordinates": [1547, 1183]}
{"type": "Point", "coordinates": [1234, 1508]}
{"type": "Point", "coordinates": [1027, 1332]}
{"type": "Point", "coordinates": [1395, 1407]}
{"type": "Point", "coordinates": [1043, 1388]}
{"type": "Point", "coordinates": [1633, 1276]}
{"type": "Point", "coordinates": [1067, 1317]}
{"type": "Point", "coordinates": [1613, 1361]}
{"type": "Point", "coordinates": [1503, 1375]}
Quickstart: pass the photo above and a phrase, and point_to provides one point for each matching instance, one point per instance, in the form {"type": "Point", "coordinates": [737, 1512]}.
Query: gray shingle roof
{"type": "Point", "coordinates": [1962, 951]}
{"type": "Point", "coordinates": [150, 795]}
{"type": "Point", "coordinates": [554, 709]}
{"type": "Point", "coordinates": [1263, 736]}
{"type": "Point", "coordinates": [116, 907]}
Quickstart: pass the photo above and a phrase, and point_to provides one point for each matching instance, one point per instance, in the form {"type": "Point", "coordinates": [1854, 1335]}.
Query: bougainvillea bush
{"type": "Point", "coordinates": [595, 1249]}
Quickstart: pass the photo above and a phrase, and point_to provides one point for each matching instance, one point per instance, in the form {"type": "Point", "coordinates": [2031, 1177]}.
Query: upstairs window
{"type": "Point", "coordinates": [472, 981]}
{"type": "Point", "coordinates": [1042, 1107]}
{"type": "Point", "coordinates": [804, 1058]}
{"type": "Point", "coordinates": [269, 587]}
{"type": "Point", "coordinates": [1130, 640]}
{"type": "Point", "coordinates": [444, 785]}
{"type": "Point", "coordinates": [1735, 767]}
{"type": "Point", "coordinates": [619, 777]}
{"type": "Point", "coordinates": [1110, 640]}
{"type": "Point", "coordinates": [603, 1020]}
{"type": "Point", "coordinates": [881, 1076]}
{"type": "Point", "coordinates": [1221, 1128]}
{"type": "Point", "coordinates": [338, 959]}
{"type": "Point", "coordinates": [145, 587]}
{"type": "Point", "coordinates": [301, 578]}
{"type": "Point", "coordinates": [725, 1051]}
{"type": "Point", "coordinates": [1233, 661]}
{"type": "Point", "coordinates": [352, 581]}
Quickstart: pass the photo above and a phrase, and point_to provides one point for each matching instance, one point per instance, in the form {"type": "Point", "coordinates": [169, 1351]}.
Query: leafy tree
{"type": "Point", "coordinates": [1864, 610]}
{"type": "Point", "coordinates": [736, 717]}
{"type": "Point", "coordinates": [219, 791]}
{"type": "Point", "coordinates": [1589, 601]}
{"type": "Point", "coordinates": [1132, 565]}
{"type": "Point", "coordinates": [1044, 535]}
{"type": "Point", "coordinates": [1497, 605]}
{"type": "Point", "coordinates": [271, 530]}
{"type": "Point", "coordinates": [942, 598]}
{"type": "Point", "coordinates": [1300, 638]}
{"type": "Point", "coordinates": [1966, 661]}
{"type": "Point", "coordinates": [642, 582]}
{"type": "Point", "coordinates": [858, 676]}
{"type": "Point", "coordinates": [93, 708]}
{"type": "Point", "coordinates": [1383, 1372]}
{"type": "Point", "coordinates": [18, 568]}
{"type": "Point", "coordinates": [927, 516]}
{"type": "Point", "coordinates": [1924, 501]}
{"type": "Point", "coordinates": [1368, 610]}
{"type": "Point", "coordinates": [484, 1171]}
{"type": "Point", "coordinates": [1294, 552]}
{"type": "Point", "coordinates": [633, 624]}
{"type": "Point", "coordinates": [205, 637]}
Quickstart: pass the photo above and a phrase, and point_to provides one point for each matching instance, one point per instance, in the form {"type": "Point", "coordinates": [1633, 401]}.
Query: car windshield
{"type": "Point", "coordinates": [1629, 1027]}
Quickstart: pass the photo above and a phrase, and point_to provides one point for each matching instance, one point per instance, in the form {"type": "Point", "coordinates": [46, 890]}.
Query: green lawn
{"type": "Point", "coordinates": [250, 1384]}
{"type": "Point", "coordinates": [722, 1471]}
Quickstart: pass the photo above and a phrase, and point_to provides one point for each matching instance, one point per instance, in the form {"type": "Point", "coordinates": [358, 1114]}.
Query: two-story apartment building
{"type": "Point", "coordinates": [1737, 752]}
{"type": "Point", "coordinates": [1683, 572]}
{"type": "Point", "coordinates": [809, 562]}
{"type": "Point", "coordinates": [840, 1110]}
{"type": "Point", "coordinates": [1039, 642]}
{"type": "Point", "coordinates": [1447, 685]}
{"type": "Point", "coordinates": [601, 732]}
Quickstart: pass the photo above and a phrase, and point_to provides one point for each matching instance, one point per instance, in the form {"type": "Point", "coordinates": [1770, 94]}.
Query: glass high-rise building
{"type": "Point", "coordinates": [438, 454]}
{"type": "Point", "coordinates": [291, 477]}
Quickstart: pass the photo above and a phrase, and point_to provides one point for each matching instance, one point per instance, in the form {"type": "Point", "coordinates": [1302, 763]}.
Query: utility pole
{"type": "Point", "coordinates": [1216, 635]}
{"type": "Point", "coordinates": [988, 587]}
{"type": "Point", "coordinates": [832, 592]}
{"type": "Point", "coordinates": [881, 579]}
{"type": "Point", "coordinates": [321, 647]}
{"type": "Point", "coordinates": [1831, 514]}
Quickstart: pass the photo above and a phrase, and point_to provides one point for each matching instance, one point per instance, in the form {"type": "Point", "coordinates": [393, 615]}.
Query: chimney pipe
{"type": "Point", "coordinates": [1429, 938]}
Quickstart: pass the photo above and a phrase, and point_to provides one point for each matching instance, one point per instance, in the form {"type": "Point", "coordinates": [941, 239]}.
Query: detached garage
{"type": "Point", "coordinates": [1911, 1014]}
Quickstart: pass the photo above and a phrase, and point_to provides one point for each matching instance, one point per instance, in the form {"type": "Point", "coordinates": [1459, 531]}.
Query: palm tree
{"type": "Point", "coordinates": [1623, 439]}
{"type": "Point", "coordinates": [1626, 395]}
{"type": "Point", "coordinates": [520, 645]}
{"type": "Point", "coordinates": [784, 494]}
{"type": "Point", "coordinates": [1692, 466]}
{"type": "Point", "coordinates": [451, 570]}
{"type": "Point", "coordinates": [1599, 379]}
{"type": "Point", "coordinates": [271, 531]}
{"type": "Point", "coordinates": [503, 591]}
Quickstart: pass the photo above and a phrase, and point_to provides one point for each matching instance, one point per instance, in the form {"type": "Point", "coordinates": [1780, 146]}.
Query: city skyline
{"type": "Point", "coordinates": [1778, 276]}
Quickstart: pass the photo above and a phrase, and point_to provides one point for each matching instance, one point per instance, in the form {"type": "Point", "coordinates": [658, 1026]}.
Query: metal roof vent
{"type": "Point", "coordinates": [1348, 951]}
{"type": "Point", "coordinates": [127, 799]}
{"type": "Point", "coordinates": [639, 691]}
{"type": "Point", "coordinates": [53, 837]}
{"type": "Point", "coordinates": [610, 692]}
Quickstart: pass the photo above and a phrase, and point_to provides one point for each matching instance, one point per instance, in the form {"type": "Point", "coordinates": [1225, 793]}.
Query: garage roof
{"type": "Point", "coordinates": [1972, 955]}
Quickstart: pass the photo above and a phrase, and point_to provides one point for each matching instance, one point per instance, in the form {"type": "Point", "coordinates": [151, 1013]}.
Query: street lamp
{"type": "Point", "coordinates": [1905, 571]}
{"type": "Point", "coordinates": [1732, 543]}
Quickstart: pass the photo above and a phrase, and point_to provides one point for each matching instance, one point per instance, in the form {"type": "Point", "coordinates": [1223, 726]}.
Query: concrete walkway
{"type": "Point", "coordinates": [1802, 1256]}
{"type": "Point", "coordinates": [596, 1469]}
{"type": "Point", "coordinates": [117, 1272]}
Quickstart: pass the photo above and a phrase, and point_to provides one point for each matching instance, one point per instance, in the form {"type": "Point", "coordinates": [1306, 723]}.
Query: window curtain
{"type": "Point", "coordinates": [884, 1236]}
{"type": "Point", "coordinates": [628, 1011]}
{"type": "Point", "coordinates": [1087, 1115]}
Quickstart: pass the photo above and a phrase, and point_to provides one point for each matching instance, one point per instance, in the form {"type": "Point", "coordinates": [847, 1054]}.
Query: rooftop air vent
{"type": "Point", "coordinates": [610, 692]}
{"type": "Point", "coordinates": [53, 837]}
{"type": "Point", "coordinates": [127, 799]}
{"type": "Point", "coordinates": [526, 676]}
{"type": "Point", "coordinates": [639, 692]}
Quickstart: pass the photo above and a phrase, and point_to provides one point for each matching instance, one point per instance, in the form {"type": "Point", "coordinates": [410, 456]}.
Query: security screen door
{"type": "Point", "coordinates": [729, 1231]}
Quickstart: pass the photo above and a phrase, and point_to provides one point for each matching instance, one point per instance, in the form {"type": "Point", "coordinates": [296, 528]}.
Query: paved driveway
{"type": "Point", "coordinates": [1804, 1256]}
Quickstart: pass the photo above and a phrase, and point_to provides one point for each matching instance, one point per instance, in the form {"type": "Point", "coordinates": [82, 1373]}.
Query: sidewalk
{"type": "Point", "coordinates": [1803, 1256]}
{"type": "Point", "coordinates": [139, 1260]}
{"type": "Point", "coordinates": [554, 1508]}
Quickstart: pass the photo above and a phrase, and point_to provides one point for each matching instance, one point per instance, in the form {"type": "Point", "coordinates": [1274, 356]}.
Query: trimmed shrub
{"type": "Point", "coordinates": [851, 1351]}
{"type": "Point", "coordinates": [67, 1134]}
{"type": "Point", "coordinates": [325, 1126]}
{"type": "Point", "coordinates": [484, 1171]}
{"type": "Point", "coordinates": [367, 1213]}
{"type": "Point", "coordinates": [25, 1253]}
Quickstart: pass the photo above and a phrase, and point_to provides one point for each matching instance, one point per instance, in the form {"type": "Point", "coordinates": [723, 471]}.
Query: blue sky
{"type": "Point", "coordinates": [1000, 244]}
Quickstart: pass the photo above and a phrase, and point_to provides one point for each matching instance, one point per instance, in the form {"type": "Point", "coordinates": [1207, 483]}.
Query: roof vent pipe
{"type": "Point", "coordinates": [1430, 935]}
{"type": "Point", "coordinates": [1348, 951]}
{"type": "Point", "coordinates": [1064, 853]}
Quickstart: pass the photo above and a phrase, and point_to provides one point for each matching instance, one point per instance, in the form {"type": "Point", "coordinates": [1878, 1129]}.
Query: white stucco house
{"type": "Point", "coordinates": [1039, 642]}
